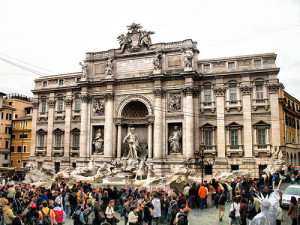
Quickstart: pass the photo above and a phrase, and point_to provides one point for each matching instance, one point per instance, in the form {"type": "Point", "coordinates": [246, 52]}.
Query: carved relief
{"type": "Point", "coordinates": [174, 102]}
{"type": "Point", "coordinates": [174, 61]}
{"type": "Point", "coordinates": [135, 39]}
{"type": "Point", "coordinates": [246, 90]}
{"type": "Point", "coordinates": [269, 60]}
{"type": "Point", "coordinates": [246, 62]}
{"type": "Point", "coordinates": [98, 106]}
{"type": "Point", "coordinates": [219, 65]}
{"type": "Point", "coordinates": [175, 139]}
{"type": "Point", "coordinates": [159, 92]}
{"type": "Point", "coordinates": [98, 142]}
{"type": "Point", "coordinates": [109, 96]}
{"type": "Point", "coordinates": [219, 91]}
{"type": "Point", "coordinates": [84, 67]}
{"type": "Point", "coordinates": [273, 88]}
{"type": "Point", "coordinates": [188, 91]}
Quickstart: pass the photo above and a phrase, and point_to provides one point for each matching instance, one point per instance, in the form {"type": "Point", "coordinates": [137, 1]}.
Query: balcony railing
{"type": "Point", "coordinates": [74, 151]}
{"type": "Point", "coordinates": [40, 151]}
{"type": "Point", "coordinates": [58, 151]}
{"type": "Point", "coordinates": [258, 149]}
{"type": "Point", "coordinates": [234, 149]}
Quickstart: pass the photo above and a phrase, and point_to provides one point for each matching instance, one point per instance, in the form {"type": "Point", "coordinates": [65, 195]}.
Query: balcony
{"type": "Point", "coordinates": [59, 114]}
{"type": "Point", "coordinates": [236, 104]}
{"type": "Point", "coordinates": [210, 149]}
{"type": "Point", "coordinates": [207, 106]}
{"type": "Point", "coordinates": [43, 116]}
{"type": "Point", "coordinates": [260, 103]}
{"type": "Point", "coordinates": [74, 151]}
{"type": "Point", "coordinates": [58, 151]}
{"type": "Point", "coordinates": [234, 149]}
{"type": "Point", "coordinates": [259, 149]}
{"type": "Point", "coordinates": [40, 151]}
{"type": "Point", "coordinates": [76, 113]}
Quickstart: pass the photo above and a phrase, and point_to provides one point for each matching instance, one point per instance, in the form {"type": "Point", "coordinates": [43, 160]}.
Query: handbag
{"type": "Point", "coordinates": [232, 213]}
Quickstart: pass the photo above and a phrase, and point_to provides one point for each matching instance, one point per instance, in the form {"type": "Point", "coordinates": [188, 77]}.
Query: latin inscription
{"type": "Point", "coordinates": [174, 82]}
{"type": "Point", "coordinates": [133, 86]}
{"type": "Point", "coordinates": [174, 61]}
{"type": "Point", "coordinates": [99, 68]}
{"type": "Point", "coordinates": [135, 66]}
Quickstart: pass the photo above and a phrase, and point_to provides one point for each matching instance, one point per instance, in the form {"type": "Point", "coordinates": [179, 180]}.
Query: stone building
{"type": "Point", "coordinates": [176, 104]}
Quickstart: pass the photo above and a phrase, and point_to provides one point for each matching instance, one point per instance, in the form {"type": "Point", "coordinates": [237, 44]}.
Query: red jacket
{"type": "Point", "coordinates": [59, 216]}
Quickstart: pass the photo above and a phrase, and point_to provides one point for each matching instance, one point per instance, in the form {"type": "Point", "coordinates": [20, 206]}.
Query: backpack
{"type": "Point", "coordinates": [90, 216]}
{"type": "Point", "coordinates": [76, 218]}
{"type": "Point", "coordinates": [46, 218]}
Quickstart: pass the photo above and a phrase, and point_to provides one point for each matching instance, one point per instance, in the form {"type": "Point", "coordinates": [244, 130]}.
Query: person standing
{"type": "Point", "coordinates": [157, 210]}
{"type": "Point", "coordinates": [243, 211]}
{"type": "Point", "coordinates": [221, 205]}
{"type": "Point", "coordinates": [235, 206]}
{"type": "Point", "coordinates": [81, 196]}
{"type": "Point", "coordinates": [19, 219]}
{"type": "Point", "coordinates": [110, 212]}
{"type": "Point", "coordinates": [8, 214]}
{"type": "Point", "coordinates": [202, 195]}
{"type": "Point", "coordinates": [293, 210]}
{"type": "Point", "coordinates": [46, 215]}
{"type": "Point", "coordinates": [60, 215]}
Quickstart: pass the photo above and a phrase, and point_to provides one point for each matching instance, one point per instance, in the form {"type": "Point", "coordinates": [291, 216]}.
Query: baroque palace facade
{"type": "Point", "coordinates": [176, 104]}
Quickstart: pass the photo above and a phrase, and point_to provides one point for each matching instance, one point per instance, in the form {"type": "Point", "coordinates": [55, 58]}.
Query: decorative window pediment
{"type": "Point", "coordinates": [41, 131]}
{"type": "Point", "coordinates": [234, 126]}
{"type": "Point", "coordinates": [208, 126]}
{"type": "Point", "coordinates": [261, 124]}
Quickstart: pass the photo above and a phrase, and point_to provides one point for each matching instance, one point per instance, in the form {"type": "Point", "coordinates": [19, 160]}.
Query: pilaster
{"type": "Point", "coordinates": [85, 98]}
{"type": "Point", "coordinates": [51, 108]}
{"type": "Point", "coordinates": [109, 124]}
{"type": "Point", "coordinates": [33, 126]}
{"type": "Point", "coordinates": [67, 136]}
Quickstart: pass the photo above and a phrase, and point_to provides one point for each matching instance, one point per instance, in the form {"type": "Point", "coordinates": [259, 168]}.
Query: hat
{"type": "Point", "coordinates": [33, 205]}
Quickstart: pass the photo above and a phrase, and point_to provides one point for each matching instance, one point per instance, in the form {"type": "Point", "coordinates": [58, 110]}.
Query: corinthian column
{"type": "Point", "coordinates": [189, 122]}
{"type": "Point", "coordinates": [109, 125]}
{"type": "Point", "coordinates": [85, 98]}
{"type": "Point", "coordinates": [158, 125]}
{"type": "Point", "coordinates": [51, 106]}
{"type": "Point", "coordinates": [33, 129]}
{"type": "Point", "coordinates": [68, 112]}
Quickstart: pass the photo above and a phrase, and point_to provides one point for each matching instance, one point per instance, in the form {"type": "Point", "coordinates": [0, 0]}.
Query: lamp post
{"type": "Point", "coordinates": [199, 156]}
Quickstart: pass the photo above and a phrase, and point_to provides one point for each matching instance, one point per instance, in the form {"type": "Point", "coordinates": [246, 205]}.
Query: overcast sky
{"type": "Point", "coordinates": [53, 36]}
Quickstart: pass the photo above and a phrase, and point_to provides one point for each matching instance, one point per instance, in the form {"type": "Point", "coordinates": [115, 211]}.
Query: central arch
{"type": "Point", "coordinates": [141, 102]}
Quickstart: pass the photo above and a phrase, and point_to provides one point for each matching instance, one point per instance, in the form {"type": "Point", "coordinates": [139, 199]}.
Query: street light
{"type": "Point", "coordinates": [199, 159]}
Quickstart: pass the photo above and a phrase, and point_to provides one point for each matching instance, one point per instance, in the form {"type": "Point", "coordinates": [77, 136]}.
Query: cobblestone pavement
{"type": "Point", "coordinates": [208, 216]}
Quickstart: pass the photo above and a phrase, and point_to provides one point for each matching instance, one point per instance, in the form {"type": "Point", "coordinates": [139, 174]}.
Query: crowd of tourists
{"type": "Point", "coordinates": [31, 205]}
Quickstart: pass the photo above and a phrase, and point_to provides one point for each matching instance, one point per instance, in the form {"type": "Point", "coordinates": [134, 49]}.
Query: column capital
{"type": "Point", "coordinates": [190, 91]}
{"type": "Point", "coordinates": [246, 90]}
{"type": "Point", "coordinates": [273, 88]}
{"type": "Point", "coordinates": [86, 98]}
{"type": "Point", "coordinates": [68, 101]}
{"type": "Point", "coordinates": [220, 91]}
{"type": "Point", "coordinates": [51, 103]}
{"type": "Point", "coordinates": [159, 92]}
{"type": "Point", "coordinates": [35, 104]}
{"type": "Point", "coordinates": [109, 96]}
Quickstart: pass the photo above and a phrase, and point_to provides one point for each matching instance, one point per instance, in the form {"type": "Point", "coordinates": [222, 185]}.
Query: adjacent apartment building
{"type": "Point", "coordinates": [12, 107]}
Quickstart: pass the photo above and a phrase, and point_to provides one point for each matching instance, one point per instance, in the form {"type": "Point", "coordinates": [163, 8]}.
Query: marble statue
{"type": "Point", "coordinates": [174, 140]}
{"type": "Point", "coordinates": [109, 66]}
{"type": "Point", "coordinates": [157, 61]}
{"type": "Point", "coordinates": [133, 143]}
{"type": "Point", "coordinates": [142, 170]}
{"type": "Point", "coordinates": [188, 58]}
{"type": "Point", "coordinates": [84, 67]}
{"type": "Point", "coordinates": [98, 142]}
{"type": "Point", "coordinates": [175, 102]}
{"type": "Point", "coordinates": [145, 38]}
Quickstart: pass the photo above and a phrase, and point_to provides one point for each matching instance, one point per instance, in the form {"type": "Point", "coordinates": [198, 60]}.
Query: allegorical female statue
{"type": "Point", "coordinates": [98, 142]}
{"type": "Point", "coordinates": [174, 140]}
{"type": "Point", "coordinates": [133, 143]}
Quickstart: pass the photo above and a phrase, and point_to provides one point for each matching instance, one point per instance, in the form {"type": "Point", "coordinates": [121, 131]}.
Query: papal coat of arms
{"type": "Point", "coordinates": [136, 39]}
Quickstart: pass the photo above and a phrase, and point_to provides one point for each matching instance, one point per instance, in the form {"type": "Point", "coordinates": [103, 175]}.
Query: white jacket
{"type": "Point", "coordinates": [157, 207]}
{"type": "Point", "coordinates": [237, 209]}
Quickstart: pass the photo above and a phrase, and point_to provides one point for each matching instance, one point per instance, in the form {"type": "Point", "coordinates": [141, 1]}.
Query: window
{"type": "Point", "coordinates": [259, 91]}
{"type": "Point", "coordinates": [76, 137]}
{"type": "Point", "coordinates": [12, 148]}
{"type": "Point", "coordinates": [7, 130]}
{"type": "Point", "coordinates": [13, 136]}
{"type": "Point", "coordinates": [60, 105]}
{"type": "Point", "coordinates": [27, 111]}
{"type": "Point", "coordinates": [26, 123]}
{"type": "Point", "coordinates": [2, 114]}
{"type": "Point", "coordinates": [19, 148]}
{"type": "Point", "coordinates": [234, 137]}
{"type": "Point", "coordinates": [6, 156]}
{"type": "Point", "coordinates": [16, 116]}
{"type": "Point", "coordinates": [24, 148]}
{"type": "Point", "coordinates": [10, 103]}
{"type": "Point", "coordinates": [261, 136]}
{"type": "Point", "coordinates": [24, 164]}
{"type": "Point", "coordinates": [44, 83]}
{"type": "Point", "coordinates": [58, 140]}
{"type": "Point", "coordinates": [14, 124]}
{"type": "Point", "coordinates": [43, 107]}
{"type": "Point", "coordinates": [20, 136]}
{"type": "Point", "coordinates": [19, 161]}
{"type": "Point", "coordinates": [61, 82]}
{"type": "Point", "coordinates": [21, 124]}
{"type": "Point", "coordinates": [208, 138]}
{"type": "Point", "coordinates": [8, 116]}
{"type": "Point", "coordinates": [231, 65]}
{"type": "Point", "coordinates": [41, 139]}
{"type": "Point", "coordinates": [74, 165]}
{"type": "Point", "coordinates": [6, 144]}
{"type": "Point", "coordinates": [208, 170]}
{"type": "Point", "coordinates": [78, 79]}
{"type": "Point", "coordinates": [233, 94]}
{"type": "Point", "coordinates": [25, 135]}
{"type": "Point", "coordinates": [207, 95]}
{"type": "Point", "coordinates": [77, 103]}
{"type": "Point", "coordinates": [206, 67]}
{"type": "Point", "coordinates": [257, 63]}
